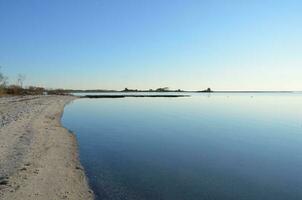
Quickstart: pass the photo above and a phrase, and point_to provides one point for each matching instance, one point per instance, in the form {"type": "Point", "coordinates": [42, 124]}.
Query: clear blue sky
{"type": "Point", "coordinates": [188, 44]}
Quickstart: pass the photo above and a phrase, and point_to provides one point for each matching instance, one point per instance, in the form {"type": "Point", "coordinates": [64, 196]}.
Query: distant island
{"type": "Point", "coordinates": [162, 89]}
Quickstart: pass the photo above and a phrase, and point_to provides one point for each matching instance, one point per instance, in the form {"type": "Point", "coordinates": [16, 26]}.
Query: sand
{"type": "Point", "coordinates": [38, 157]}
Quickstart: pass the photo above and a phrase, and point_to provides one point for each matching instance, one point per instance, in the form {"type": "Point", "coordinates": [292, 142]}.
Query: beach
{"type": "Point", "coordinates": [38, 157]}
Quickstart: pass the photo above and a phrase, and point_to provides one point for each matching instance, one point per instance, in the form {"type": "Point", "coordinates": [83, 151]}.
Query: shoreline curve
{"type": "Point", "coordinates": [39, 157]}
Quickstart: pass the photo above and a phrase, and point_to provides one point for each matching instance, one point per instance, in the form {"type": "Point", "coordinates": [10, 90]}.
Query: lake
{"type": "Point", "coordinates": [219, 146]}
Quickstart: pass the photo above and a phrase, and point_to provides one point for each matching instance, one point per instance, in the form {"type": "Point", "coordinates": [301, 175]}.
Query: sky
{"type": "Point", "coordinates": [186, 44]}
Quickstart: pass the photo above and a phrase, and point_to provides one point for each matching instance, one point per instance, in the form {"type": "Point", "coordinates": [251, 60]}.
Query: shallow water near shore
{"type": "Point", "coordinates": [207, 146]}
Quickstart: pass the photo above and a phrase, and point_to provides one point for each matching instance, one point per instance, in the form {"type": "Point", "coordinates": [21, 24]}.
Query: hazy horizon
{"type": "Point", "coordinates": [189, 45]}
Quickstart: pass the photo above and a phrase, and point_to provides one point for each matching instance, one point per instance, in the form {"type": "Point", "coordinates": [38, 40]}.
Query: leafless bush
{"type": "Point", "coordinates": [32, 90]}
{"type": "Point", "coordinates": [57, 92]}
{"type": "Point", "coordinates": [14, 90]}
{"type": "Point", "coordinates": [3, 82]}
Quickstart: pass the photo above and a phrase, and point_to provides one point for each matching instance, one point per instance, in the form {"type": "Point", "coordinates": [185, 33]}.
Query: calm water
{"type": "Point", "coordinates": [211, 147]}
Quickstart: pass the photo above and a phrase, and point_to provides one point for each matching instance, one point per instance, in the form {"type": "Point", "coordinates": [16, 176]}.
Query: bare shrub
{"type": "Point", "coordinates": [14, 90]}
{"type": "Point", "coordinates": [32, 90]}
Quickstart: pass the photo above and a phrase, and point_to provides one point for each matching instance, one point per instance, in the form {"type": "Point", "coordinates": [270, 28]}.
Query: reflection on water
{"type": "Point", "coordinates": [218, 146]}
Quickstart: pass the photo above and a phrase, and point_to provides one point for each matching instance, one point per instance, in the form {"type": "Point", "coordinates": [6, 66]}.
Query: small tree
{"type": "Point", "coordinates": [3, 79]}
{"type": "Point", "coordinates": [3, 82]}
{"type": "Point", "coordinates": [21, 79]}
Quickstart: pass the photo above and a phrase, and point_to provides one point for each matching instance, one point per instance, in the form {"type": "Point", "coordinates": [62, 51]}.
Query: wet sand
{"type": "Point", "coordinates": [38, 157]}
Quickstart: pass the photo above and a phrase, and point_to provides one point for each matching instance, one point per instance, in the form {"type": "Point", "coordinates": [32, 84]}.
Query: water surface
{"type": "Point", "coordinates": [211, 147]}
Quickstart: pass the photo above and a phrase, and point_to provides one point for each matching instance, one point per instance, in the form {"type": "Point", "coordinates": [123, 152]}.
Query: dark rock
{"type": "Point", "coordinates": [3, 182]}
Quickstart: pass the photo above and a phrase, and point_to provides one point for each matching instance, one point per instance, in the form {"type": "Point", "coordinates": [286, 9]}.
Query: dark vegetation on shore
{"type": "Point", "coordinates": [19, 89]}
{"type": "Point", "coordinates": [133, 95]}
{"type": "Point", "coordinates": [164, 89]}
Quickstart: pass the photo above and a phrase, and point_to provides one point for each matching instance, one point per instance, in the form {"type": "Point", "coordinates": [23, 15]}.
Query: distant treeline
{"type": "Point", "coordinates": [164, 89]}
{"type": "Point", "coordinates": [18, 89]}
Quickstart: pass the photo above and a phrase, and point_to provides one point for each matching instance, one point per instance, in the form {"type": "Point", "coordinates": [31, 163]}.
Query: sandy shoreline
{"type": "Point", "coordinates": [38, 157]}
